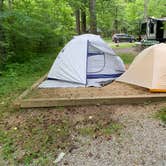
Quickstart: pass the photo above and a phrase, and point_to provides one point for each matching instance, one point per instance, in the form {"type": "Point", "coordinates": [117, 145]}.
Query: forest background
{"type": "Point", "coordinates": [29, 28]}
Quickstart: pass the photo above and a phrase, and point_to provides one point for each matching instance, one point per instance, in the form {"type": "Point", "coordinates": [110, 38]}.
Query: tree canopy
{"type": "Point", "coordinates": [33, 26]}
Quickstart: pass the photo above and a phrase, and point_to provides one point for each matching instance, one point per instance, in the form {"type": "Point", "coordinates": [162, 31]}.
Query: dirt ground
{"type": "Point", "coordinates": [113, 89]}
{"type": "Point", "coordinates": [136, 138]}
{"type": "Point", "coordinates": [141, 142]}
{"type": "Point", "coordinates": [131, 50]}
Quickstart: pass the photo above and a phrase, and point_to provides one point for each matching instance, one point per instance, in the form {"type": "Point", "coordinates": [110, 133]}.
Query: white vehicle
{"type": "Point", "coordinates": [154, 29]}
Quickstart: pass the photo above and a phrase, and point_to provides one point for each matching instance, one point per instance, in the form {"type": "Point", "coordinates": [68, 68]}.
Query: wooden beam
{"type": "Point", "coordinates": [37, 83]}
{"type": "Point", "coordinates": [17, 102]}
{"type": "Point", "coordinates": [55, 102]}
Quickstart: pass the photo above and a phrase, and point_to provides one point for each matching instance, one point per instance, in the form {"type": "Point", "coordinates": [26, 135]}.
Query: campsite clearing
{"type": "Point", "coordinates": [60, 129]}
{"type": "Point", "coordinates": [115, 93]}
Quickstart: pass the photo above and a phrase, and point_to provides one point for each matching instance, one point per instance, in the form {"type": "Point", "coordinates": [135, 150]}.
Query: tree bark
{"type": "Point", "coordinates": [93, 20]}
{"type": "Point", "coordinates": [145, 9]}
{"type": "Point", "coordinates": [116, 19]}
{"type": "Point", "coordinates": [2, 37]}
{"type": "Point", "coordinates": [10, 4]}
{"type": "Point", "coordinates": [77, 14]}
{"type": "Point", "coordinates": [83, 20]}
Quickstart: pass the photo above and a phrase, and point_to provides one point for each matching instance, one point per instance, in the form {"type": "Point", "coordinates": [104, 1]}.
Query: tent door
{"type": "Point", "coordinates": [160, 31]}
{"type": "Point", "coordinates": [96, 63]}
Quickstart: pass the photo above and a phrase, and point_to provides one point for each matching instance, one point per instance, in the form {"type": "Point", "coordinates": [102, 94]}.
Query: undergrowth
{"type": "Point", "coordinates": [127, 58]}
{"type": "Point", "coordinates": [14, 79]}
{"type": "Point", "coordinates": [162, 115]}
{"type": "Point", "coordinates": [17, 77]}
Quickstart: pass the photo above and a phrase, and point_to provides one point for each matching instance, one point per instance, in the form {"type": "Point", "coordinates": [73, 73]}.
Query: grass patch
{"type": "Point", "coordinates": [127, 58]}
{"type": "Point", "coordinates": [111, 128]}
{"type": "Point", "coordinates": [17, 77]}
{"type": "Point", "coordinates": [121, 45]}
{"type": "Point", "coordinates": [161, 115]}
{"type": "Point", "coordinates": [7, 148]}
{"type": "Point", "coordinates": [98, 127]}
{"type": "Point", "coordinates": [35, 138]}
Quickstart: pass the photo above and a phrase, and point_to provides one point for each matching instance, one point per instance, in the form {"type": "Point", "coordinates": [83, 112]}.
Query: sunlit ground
{"type": "Point", "coordinates": [120, 45]}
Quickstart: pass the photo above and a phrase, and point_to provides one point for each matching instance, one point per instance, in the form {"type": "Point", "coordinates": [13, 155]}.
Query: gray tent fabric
{"type": "Point", "coordinates": [85, 61]}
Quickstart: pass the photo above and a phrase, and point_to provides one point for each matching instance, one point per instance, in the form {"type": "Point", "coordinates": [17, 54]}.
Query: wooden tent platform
{"type": "Point", "coordinates": [115, 93]}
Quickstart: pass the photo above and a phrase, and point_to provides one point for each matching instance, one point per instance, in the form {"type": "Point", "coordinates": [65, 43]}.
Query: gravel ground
{"type": "Point", "coordinates": [142, 142]}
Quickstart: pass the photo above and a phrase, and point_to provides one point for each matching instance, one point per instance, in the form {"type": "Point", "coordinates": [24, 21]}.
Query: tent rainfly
{"type": "Point", "coordinates": [148, 69]}
{"type": "Point", "coordinates": [85, 61]}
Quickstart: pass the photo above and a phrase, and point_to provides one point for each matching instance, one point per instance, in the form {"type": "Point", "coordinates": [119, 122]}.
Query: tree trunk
{"type": "Point", "coordinates": [145, 8]}
{"type": "Point", "coordinates": [83, 20]}
{"type": "Point", "coordinates": [2, 38]}
{"type": "Point", "coordinates": [10, 2]}
{"type": "Point", "coordinates": [77, 14]}
{"type": "Point", "coordinates": [93, 20]}
{"type": "Point", "coordinates": [116, 19]}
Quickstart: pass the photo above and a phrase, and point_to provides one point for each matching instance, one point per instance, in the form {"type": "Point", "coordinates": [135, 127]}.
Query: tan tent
{"type": "Point", "coordinates": [148, 69]}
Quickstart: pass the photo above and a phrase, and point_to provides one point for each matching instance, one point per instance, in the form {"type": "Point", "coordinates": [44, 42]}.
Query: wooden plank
{"type": "Point", "coordinates": [37, 83]}
{"type": "Point", "coordinates": [54, 102]}
{"type": "Point", "coordinates": [16, 103]}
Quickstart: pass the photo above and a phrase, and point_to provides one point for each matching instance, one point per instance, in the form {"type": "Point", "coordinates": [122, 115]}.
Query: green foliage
{"type": "Point", "coordinates": [35, 26]}
{"type": "Point", "coordinates": [99, 128]}
{"type": "Point", "coordinates": [127, 58]}
{"type": "Point", "coordinates": [120, 45]}
{"type": "Point", "coordinates": [7, 148]}
{"type": "Point", "coordinates": [156, 8]}
{"type": "Point", "coordinates": [134, 16]}
{"type": "Point", "coordinates": [17, 77]}
{"type": "Point", "coordinates": [111, 128]}
{"type": "Point", "coordinates": [111, 16]}
{"type": "Point", "coordinates": [162, 115]}
{"type": "Point", "coordinates": [128, 15]}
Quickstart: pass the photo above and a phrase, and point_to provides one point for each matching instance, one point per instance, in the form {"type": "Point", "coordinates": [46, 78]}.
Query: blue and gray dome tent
{"type": "Point", "coordinates": [85, 61]}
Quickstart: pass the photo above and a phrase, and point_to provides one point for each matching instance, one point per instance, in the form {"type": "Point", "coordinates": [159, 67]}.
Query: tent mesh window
{"type": "Point", "coordinates": [96, 60]}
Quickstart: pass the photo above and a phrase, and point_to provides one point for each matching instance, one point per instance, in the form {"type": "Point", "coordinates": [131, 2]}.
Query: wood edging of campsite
{"type": "Point", "coordinates": [21, 102]}
{"type": "Point", "coordinates": [57, 102]}
{"type": "Point", "coordinates": [17, 102]}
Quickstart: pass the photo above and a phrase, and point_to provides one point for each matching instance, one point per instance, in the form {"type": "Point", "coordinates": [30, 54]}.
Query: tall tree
{"type": "Point", "coordinates": [93, 20]}
{"type": "Point", "coordinates": [83, 19]}
{"type": "Point", "coordinates": [76, 6]}
{"type": "Point", "coordinates": [145, 8]}
{"type": "Point", "coordinates": [116, 19]}
{"type": "Point", "coordinates": [10, 2]}
{"type": "Point", "coordinates": [2, 36]}
{"type": "Point", "coordinates": [77, 14]}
